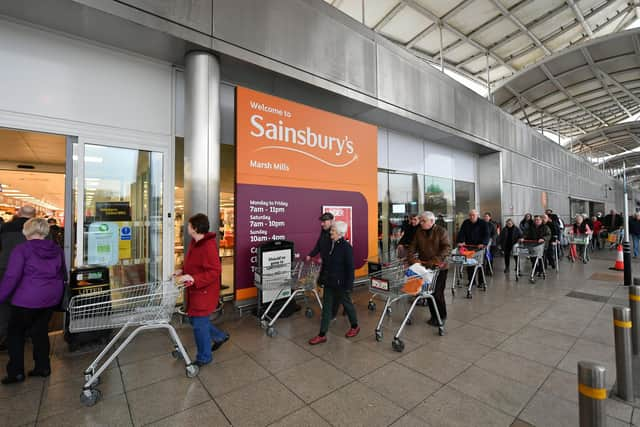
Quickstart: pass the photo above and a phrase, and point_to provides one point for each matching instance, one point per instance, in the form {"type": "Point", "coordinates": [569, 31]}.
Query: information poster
{"type": "Point", "coordinates": [293, 160]}
{"type": "Point", "coordinates": [276, 268]}
{"type": "Point", "coordinates": [103, 243]}
{"type": "Point", "coordinates": [342, 213]}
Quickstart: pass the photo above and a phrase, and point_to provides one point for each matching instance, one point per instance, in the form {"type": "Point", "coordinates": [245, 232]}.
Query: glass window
{"type": "Point", "coordinates": [438, 198]}
{"type": "Point", "coordinates": [123, 213]}
{"type": "Point", "coordinates": [404, 199]}
{"type": "Point", "coordinates": [383, 212]}
{"type": "Point", "coordinates": [465, 201]}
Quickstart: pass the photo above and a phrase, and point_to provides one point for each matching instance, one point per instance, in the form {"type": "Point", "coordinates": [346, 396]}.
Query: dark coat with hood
{"type": "Point", "coordinates": [202, 262]}
{"type": "Point", "coordinates": [10, 237]}
{"type": "Point", "coordinates": [508, 237]}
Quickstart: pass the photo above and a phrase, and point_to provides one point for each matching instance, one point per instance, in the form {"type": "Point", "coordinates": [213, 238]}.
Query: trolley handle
{"type": "Point", "coordinates": [531, 241]}
{"type": "Point", "coordinates": [465, 245]}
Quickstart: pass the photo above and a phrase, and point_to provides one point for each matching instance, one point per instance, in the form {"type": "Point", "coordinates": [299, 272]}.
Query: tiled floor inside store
{"type": "Point", "coordinates": [508, 359]}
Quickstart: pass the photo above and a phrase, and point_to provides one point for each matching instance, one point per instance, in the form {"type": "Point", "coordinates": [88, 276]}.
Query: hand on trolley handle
{"type": "Point", "coordinates": [464, 245]}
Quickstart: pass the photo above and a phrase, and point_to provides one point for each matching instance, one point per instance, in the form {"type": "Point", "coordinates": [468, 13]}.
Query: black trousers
{"type": "Point", "coordinates": [507, 257]}
{"type": "Point", "coordinates": [438, 294]}
{"type": "Point", "coordinates": [36, 322]}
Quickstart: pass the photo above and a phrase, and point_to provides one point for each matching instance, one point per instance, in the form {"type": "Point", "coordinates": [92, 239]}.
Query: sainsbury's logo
{"type": "Point", "coordinates": [296, 140]}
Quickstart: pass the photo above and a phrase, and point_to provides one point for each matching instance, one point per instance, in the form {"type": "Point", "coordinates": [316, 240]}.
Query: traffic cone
{"type": "Point", "coordinates": [619, 265]}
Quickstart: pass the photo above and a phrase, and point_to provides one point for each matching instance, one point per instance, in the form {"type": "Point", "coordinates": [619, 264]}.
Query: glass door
{"type": "Point", "coordinates": [121, 191]}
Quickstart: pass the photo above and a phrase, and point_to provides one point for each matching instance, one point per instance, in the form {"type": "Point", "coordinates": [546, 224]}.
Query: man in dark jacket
{"type": "Point", "coordinates": [339, 283]}
{"type": "Point", "coordinates": [323, 245]}
{"type": "Point", "coordinates": [431, 247]}
{"type": "Point", "coordinates": [408, 234]}
{"type": "Point", "coordinates": [550, 258]}
{"type": "Point", "coordinates": [634, 232]}
{"type": "Point", "coordinates": [10, 237]}
{"type": "Point", "coordinates": [474, 232]}
{"type": "Point", "coordinates": [509, 235]}
{"type": "Point", "coordinates": [540, 233]}
{"type": "Point", "coordinates": [612, 221]}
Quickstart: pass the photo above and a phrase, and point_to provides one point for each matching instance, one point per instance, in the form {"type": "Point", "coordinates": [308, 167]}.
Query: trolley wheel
{"type": "Point", "coordinates": [371, 306]}
{"type": "Point", "coordinates": [308, 313]}
{"type": "Point", "coordinates": [453, 292]}
{"type": "Point", "coordinates": [389, 311]}
{"type": "Point", "coordinates": [441, 330]}
{"type": "Point", "coordinates": [271, 332]}
{"type": "Point", "coordinates": [176, 354]}
{"type": "Point", "coordinates": [264, 324]}
{"type": "Point", "coordinates": [532, 280]}
{"type": "Point", "coordinates": [517, 277]}
{"type": "Point", "coordinates": [409, 321]}
{"type": "Point", "coordinates": [469, 295]}
{"type": "Point", "coordinates": [397, 345]}
{"type": "Point", "coordinates": [192, 370]}
{"type": "Point", "coordinates": [90, 397]}
{"type": "Point", "coordinates": [378, 335]}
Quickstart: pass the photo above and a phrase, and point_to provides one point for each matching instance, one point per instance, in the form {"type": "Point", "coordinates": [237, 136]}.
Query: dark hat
{"type": "Point", "coordinates": [327, 216]}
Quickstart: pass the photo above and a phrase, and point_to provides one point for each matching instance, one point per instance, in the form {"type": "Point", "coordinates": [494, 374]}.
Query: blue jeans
{"type": "Point", "coordinates": [205, 332]}
{"type": "Point", "coordinates": [636, 243]}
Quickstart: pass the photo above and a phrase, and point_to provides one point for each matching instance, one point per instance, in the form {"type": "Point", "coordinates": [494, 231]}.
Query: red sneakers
{"type": "Point", "coordinates": [352, 332]}
{"type": "Point", "coordinates": [317, 340]}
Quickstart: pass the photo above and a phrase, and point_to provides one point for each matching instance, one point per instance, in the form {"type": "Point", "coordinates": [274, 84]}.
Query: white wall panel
{"type": "Point", "coordinates": [464, 166]}
{"type": "Point", "coordinates": [383, 148]}
{"type": "Point", "coordinates": [406, 153]}
{"type": "Point", "coordinates": [49, 75]}
{"type": "Point", "coordinates": [438, 160]}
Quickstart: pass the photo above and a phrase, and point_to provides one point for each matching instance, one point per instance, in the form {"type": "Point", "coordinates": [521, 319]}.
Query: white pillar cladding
{"type": "Point", "coordinates": [202, 138]}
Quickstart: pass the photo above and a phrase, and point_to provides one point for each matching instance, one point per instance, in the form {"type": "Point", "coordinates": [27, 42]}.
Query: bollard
{"type": "Point", "coordinates": [592, 394]}
{"type": "Point", "coordinates": [626, 256]}
{"type": "Point", "coordinates": [634, 305]}
{"type": "Point", "coordinates": [624, 363]}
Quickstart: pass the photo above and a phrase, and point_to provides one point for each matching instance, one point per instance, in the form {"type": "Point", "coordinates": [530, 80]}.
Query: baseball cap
{"type": "Point", "coordinates": [327, 216]}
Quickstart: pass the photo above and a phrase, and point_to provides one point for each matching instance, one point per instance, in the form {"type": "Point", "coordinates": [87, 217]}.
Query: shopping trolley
{"type": "Point", "coordinates": [529, 249]}
{"type": "Point", "coordinates": [468, 257]}
{"type": "Point", "coordinates": [556, 247]}
{"type": "Point", "coordinates": [582, 240]}
{"type": "Point", "coordinates": [392, 284]}
{"type": "Point", "coordinates": [384, 261]}
{"type": "Point", "coordinates": [147, 306]}
{"type": "Point", "coordinates": [299, 278]}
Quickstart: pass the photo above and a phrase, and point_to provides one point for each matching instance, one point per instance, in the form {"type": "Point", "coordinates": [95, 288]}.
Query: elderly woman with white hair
{"type": "Point", "coordinates": [338, 284]}
{"type": "Point", "coordinates": [33, 285]}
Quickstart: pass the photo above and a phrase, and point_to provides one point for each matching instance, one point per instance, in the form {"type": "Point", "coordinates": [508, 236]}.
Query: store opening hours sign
{"type": "Point", "coordinates": [294, 162]}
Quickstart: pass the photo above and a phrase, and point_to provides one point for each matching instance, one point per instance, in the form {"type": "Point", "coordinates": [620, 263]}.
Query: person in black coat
{"type": "Point", "coordinates": [508, 237]}
{"type": "Point", "coordinates": [339, 283]}
{"type": "Point", "coordinates": [526, 223]}
{"type": "Point", "coordinates": [474, 232]}
{"type": "Point", "coordinates": [408, 233]}
{"type": "Point", "coordinates": [550, 256]}
{"type": "Point", "coordinates": [322, 248]}
{"type": "Point", "coordinates": [634, 232]}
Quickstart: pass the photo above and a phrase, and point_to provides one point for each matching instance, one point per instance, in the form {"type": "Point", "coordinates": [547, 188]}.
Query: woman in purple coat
{"type": "Point", "coordinates": [33, 285]}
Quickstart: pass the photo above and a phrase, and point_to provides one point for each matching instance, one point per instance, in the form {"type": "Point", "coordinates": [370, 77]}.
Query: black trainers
{"type": "Point", "coordinates": [13, 380]}
{"type": "Point", "coordinates": [217, 344]}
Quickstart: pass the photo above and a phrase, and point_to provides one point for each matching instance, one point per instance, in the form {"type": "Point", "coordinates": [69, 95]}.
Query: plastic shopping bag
{"type": "Point", "coordinates": [417, 278]}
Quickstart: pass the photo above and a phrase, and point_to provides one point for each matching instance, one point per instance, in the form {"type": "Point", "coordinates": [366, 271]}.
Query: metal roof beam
{"type": "Point", "coordinates": [431, 28]}
{"type": "Point", "coordinates": [388, 17]}
{"type": "Point", "coordinates": [596, 72]}
{"type": "Point", "coordinates": [561, 88]}
{"type": "Point", "coordinates": [580, 16]}
{"type": "Point", "coordinates": [430, 15]}
{"type": "Point", "coordinates": [537, 107]}
{"type": "Point", "coordinates": [489, 24]}
{"type": "Point", "coordinates": [619, 85]}
{"type": "Point", "coordinates": [523, 28]}
{"type": "Point", "coordinates": [431, 59]}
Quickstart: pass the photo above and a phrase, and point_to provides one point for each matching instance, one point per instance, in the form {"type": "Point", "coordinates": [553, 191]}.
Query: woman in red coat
{"type": "Point", "coordinates": [201, 276]}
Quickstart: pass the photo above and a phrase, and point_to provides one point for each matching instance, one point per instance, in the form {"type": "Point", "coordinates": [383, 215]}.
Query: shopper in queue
{"type": "Point", "coordinates": [634, 232]}
{"type": "Point", "coordinates": [549, 254]}
{"type": "Point", "coordinates": [430, 247]}
{"type": "Point", "coordinates": [201, 277]}
{"type": "Point", "coordinates": [473, 232]}
{"type": "Point", "coordinates": [580, 228]}
{"type": "Point", "coordinates": [526, 223]}
{"type": "Point", "coordinates": [539, 233]}
{"type": "Point", "coordinates": [322, 248]}
{"type": "Point", "coordinates": [597, 227]}
{"type": "Point", "coordinates": [611, 224]}
{"type": "Point", "coordinates": [408, 235]}
{"type": "Point", "coordinates": [33, 285]}
{"type": "Point", "coordinates": [339, 283]}
{"type": "Point", "coordinates": [10, 236]}
{"type": "Point", "coordinates": [509, 236]}
{"type": "Point", "coordinates": [494, 230]}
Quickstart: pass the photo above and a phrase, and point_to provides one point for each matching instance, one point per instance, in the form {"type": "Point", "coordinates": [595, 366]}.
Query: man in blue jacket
{"type": "Point", "coordinates": [339, 283]}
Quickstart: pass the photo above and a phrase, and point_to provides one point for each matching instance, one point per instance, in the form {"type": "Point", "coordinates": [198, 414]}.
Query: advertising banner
{"type": "Point", "coordinates": [342, 213]}
{"type": "Point", "coordinates": [291, 162]}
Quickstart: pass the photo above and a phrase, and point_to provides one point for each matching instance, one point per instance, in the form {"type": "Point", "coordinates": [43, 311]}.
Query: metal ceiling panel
{"type": "Point", "coordinates": [474, 16]}
{"type": "Point", "coordinates": [431, 42]}
{"type": "Point", "coordinates": [441, 8]}
{"type": "Point", "coordinates": [375, 10]}
{"type": "Point", "coordinates": [405, 25]}
{"type": "Point", "coordinates": [496, 32]}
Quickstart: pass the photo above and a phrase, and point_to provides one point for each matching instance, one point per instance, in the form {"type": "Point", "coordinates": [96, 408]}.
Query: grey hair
{"type": "Point", "coordinates": [36, 227]}
{"type": "Point", "coordinates": [341, 227]}
{"type": "Point", "coordinates": [27, 211]}
{"type": "Point", "coordinates": [428, 216]}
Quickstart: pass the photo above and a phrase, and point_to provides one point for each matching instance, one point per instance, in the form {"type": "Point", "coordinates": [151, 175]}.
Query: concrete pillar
{"type": "Point", "coordinates": [202, 138]}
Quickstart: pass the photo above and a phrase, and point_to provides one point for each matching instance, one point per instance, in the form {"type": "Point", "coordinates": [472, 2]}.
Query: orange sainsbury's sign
{"type": "Point", "coordinates": [291, 161]}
